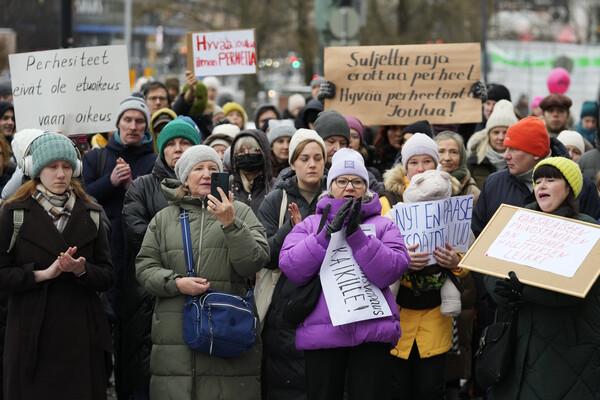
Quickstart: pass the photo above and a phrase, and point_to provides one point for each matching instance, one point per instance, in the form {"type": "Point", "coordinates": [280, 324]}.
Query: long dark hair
{"type": "Point", "coordinates": [548, 171]}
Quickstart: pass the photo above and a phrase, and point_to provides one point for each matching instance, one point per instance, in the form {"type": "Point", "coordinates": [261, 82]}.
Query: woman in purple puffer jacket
{"type": "Point", "coordinates": [352, 357]}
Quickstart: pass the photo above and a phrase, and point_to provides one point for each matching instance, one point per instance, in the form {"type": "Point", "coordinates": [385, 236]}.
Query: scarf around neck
{"type": "Point", "coordinates": [496, 159]}
{"type": "Point", "coordinates": [58, 206]}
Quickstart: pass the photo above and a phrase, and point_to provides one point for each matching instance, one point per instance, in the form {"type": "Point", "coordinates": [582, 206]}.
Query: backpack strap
{"type": "Point", "coordinates": [283, 208]}
{"type": "Point", "coordinates": [18, 218]}
{"type": "Point", "coordinates": [101, 162]}
{"type": "Point", "coordinates": [95, 216]}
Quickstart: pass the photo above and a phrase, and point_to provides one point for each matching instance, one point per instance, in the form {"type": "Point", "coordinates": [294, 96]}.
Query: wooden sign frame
{"type": "Point", "coordinates": [477, 260]}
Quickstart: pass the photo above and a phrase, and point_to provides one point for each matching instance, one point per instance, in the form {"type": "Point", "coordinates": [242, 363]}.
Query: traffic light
{"type": "Point", "coordinates": [295, 62]}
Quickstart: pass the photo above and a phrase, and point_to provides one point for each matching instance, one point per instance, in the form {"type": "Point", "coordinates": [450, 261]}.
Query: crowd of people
{"type": "Point", "coordinates": [93, 268]}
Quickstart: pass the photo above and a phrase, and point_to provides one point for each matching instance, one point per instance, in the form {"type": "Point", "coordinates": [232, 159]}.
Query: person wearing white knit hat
{"type": "Point", "coordinates": [419, 154]}
{"type": "Point", "coordinates": [574, 143]}
{"type": "Point", "coordinates": [212, 85]}
{"type": "Point", "coordinates": [485, 148]}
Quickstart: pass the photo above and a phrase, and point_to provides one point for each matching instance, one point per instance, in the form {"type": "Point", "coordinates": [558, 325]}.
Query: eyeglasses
{"type": "Point", "coordinates": [342, 183]}
{"type": "Point", "coordinates": [157, 98]}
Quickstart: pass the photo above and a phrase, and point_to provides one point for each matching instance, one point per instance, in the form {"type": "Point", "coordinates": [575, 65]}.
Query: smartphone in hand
{"type": "Point", "coordinates": [219, 179]}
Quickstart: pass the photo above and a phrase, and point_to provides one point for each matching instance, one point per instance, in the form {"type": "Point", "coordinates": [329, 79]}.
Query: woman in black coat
{"type": "Point", "coordinates": [296, 195]}
{"type": "Point", "coordinates": [56, 331]}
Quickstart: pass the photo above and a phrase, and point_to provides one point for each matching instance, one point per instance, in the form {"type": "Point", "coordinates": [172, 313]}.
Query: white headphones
{"type": "Point", "coordinates": [26, 163]}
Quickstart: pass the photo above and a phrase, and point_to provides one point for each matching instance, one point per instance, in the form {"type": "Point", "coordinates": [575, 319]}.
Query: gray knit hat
{"type": "Point", "coordinates": [51, 147]}
{"type": "Point", "coordinates": [279, 128]}
{"type": "Point", "coordinates": [332, 123]}
{"type": "Point", "coordinates": [134, 103]}
{"type": "Point", "coordinates": [194, 155]}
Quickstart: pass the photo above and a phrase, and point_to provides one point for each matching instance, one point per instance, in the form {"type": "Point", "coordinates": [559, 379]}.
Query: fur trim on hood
{"type": "Point", "coordinates": [395, 179]}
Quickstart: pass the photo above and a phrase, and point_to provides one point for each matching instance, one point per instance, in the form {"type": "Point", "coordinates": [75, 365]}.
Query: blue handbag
{"type": "Point", "coordinates": [216, 323]}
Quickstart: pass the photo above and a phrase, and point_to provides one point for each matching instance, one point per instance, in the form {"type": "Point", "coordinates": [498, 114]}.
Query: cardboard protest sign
{"type": "Point", "coordinates": [222, 53]}
{"type": "Point", "coordinates": [544, 250]}
{"type": "Point", "coordinates": [434, 223]}
{"type": "Point", "coordinates": [398, 85]}
{"type": "Point", "coordinates": [72, 91]}
{"type": "Point", "coordinates": [349, 295]}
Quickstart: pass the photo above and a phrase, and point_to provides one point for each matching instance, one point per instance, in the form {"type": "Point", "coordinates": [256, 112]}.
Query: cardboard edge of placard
{"type": "Point", "coordinates": [476, 253]}
{"type": "Point", "coordinates": [190, 51]}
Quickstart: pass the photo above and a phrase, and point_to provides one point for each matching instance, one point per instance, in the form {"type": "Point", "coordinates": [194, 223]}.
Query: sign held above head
{"type": "Point", "coordinates": [398, 85]}
{"type": "Point", "coordinates": [222, 53]}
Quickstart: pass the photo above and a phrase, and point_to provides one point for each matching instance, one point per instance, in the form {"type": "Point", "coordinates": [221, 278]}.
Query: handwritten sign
{"type": "Point", "coordinates": [72, 91]}
{"type": "Point", "coordinates": [398, 85]}
{"type": "Point", "coordinates": [222, 53]}
{"type": "Point", "coordinates": [349, 295]}
{"type": "Point", "coordinates": [544, 243]}
{"type": "Point", "coordinates": [432, 224]}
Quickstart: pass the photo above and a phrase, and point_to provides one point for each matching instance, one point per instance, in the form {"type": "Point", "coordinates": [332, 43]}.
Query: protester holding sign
{"type": "Point", "coordinates": [557, 339]}
{"type": "Point", "coordinates": [355, 353]}
{"type": "Point", "coordinates": [425, 305]}
{"type": "Point", "coordinates": [57, 335]}
{"type": "Point", "coordinates": [292, 200]}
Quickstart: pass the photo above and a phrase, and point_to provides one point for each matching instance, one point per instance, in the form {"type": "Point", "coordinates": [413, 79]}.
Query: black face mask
{"type": "Point", "coordinates": [249, 162]}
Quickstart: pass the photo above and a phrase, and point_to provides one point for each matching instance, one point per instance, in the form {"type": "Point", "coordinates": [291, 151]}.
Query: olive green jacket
{"type": "Point", "coordinates": [227, 257]}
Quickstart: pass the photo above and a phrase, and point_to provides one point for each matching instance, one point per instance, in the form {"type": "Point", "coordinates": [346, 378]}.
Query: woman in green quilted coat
{"type": "Point", "coordinates": [556, 353]}
{"type": "Point", "coordinates": [229, 246]}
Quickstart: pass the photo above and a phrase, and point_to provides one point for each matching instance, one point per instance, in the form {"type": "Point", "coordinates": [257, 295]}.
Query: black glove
{"type": "Point", "coordinates": [510, 288]}
{"type": "Point", "coordinates": [479, 90]}
{"type": "Point", "coordinates": [326, 91]}
{"type": "Point", "coordinates": [338, 221]}
{"type": "Point", "coordinates": [354, 218]}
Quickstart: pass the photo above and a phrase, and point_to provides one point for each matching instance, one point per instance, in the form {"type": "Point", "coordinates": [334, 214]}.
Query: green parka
{"type": "Point", "coordinates": [227, 257]}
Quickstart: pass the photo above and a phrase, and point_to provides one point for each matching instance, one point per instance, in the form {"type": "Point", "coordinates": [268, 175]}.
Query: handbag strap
{"type": "Point", "coordinates": [184, 219]}
{"type": "Point", "coordinates": [283, 207]}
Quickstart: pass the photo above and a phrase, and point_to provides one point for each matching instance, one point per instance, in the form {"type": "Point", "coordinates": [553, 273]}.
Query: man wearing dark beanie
{"type": "Point", "coordinates": [334, 130]}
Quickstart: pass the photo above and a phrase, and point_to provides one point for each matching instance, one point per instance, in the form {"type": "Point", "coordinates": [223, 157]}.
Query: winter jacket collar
{"type": "Point", "coordinates": [116, 145]}
{"type": "Point", "coordinates": [161, 171]}
{"type": "Point", "coordinates": [169, 188]}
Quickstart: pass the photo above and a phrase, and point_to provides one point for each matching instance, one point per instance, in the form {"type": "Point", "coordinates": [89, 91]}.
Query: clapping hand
{"type": "Point", "coordinates": [66, 262]}
{"type": "Point", "coordinates": [340, 217]}
{"type": "Point", "coordinates": [295, 216]}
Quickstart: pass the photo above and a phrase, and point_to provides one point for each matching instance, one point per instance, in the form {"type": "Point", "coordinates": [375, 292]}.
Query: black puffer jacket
{"type": "Point", "coordinates": [283, 366]}
{"type": "Point", "coordinates": [263, 183]}
{"type": "Point", "coordinates": [142, 201]}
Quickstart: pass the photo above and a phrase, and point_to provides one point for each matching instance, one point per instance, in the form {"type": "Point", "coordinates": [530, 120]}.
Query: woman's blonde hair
{"type": "Point", "coordinates": [28, 189]}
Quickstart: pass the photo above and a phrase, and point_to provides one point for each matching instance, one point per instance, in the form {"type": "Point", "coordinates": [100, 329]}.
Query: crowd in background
{"type": "Point", "coordinates": [93, 273]}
